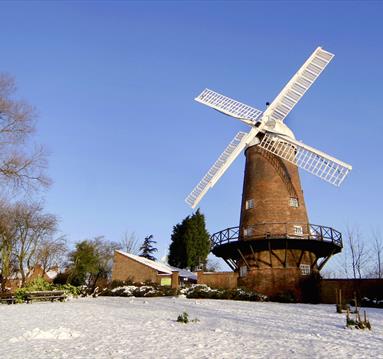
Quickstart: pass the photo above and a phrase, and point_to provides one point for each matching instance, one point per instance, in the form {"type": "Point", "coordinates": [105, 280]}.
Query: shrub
{"type": "Point", "coordinates": [284, 298]}
{"type": "Point", "coordinates": [202, 291]}
{"type": "Point", "coordinates": [121, 283]}
{"type": "Point", "coordinates": [38, 284]}
{"type": "Point", "coordinates": [21, 295]}
{"type": "Point", "coordinates": [183, 318]}
{"type": "Point", "coordinates": [61, 278]}
{"type": "Point", "coordinates": [140, 290]}
{"type": "Point", "coordinates": [70, 289]}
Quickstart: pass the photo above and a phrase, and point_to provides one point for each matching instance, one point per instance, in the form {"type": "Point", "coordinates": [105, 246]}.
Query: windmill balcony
{"type": "Point", "coordinates": [232, 242]}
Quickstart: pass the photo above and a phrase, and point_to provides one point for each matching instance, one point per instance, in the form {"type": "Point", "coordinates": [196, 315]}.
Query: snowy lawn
{"type": "Point", "coordinates": [113, 327]}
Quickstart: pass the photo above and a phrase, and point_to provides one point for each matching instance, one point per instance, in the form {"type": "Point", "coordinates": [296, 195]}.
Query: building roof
{"type": "Point", "coordinates": [160, 267]}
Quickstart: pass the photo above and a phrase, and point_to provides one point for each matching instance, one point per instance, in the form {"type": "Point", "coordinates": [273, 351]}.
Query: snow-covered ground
{"type": "Point", "coordinates": [112, 327]}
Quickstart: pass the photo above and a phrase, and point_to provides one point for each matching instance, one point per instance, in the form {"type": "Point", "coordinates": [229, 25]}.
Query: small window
{"type": "Point", "coordinates": [242, 271]}
{"type": "Point", "coordinates": [294, 202]}
{"type": "Point", "coordinates": [247, 232]}
{"type": "Point", "coordinates": [249, 204]}
{"type": "Point", "coordinates": [305, 269]}
{"type": "Point", "coordinates": [298, 230]}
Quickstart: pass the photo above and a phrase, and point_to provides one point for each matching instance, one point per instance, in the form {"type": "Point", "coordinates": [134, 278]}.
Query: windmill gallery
{"type": "Point", "coordinates": [274, 249]}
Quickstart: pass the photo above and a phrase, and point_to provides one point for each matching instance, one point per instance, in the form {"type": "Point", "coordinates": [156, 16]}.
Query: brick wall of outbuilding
{"type": "Point", "coordinates": [125, 268]}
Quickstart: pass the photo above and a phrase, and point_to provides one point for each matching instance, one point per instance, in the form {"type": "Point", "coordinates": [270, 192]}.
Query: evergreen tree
{"type": "Point", "coordinates": [190, 242]}
{"type": "Point", "coordinates": [148, 248]}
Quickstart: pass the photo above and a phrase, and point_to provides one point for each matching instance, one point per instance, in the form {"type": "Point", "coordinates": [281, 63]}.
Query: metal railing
{"type": "Point", "coordinates": [277, 230]}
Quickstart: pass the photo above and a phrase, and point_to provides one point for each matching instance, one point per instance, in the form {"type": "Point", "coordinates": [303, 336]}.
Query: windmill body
{"type": "Point", "coordinates": [275, 249]}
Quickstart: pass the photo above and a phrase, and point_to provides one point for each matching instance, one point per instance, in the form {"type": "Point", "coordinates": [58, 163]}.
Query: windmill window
{"type": "Point", "coordinates": [247, 232]}
{"type": "Point", "coordinates": [294, 202]}
{"type": "Point", "coordinates": [305, 269]}
{"type": "Point", "coordinates": [249, 204]}
{"type": "Point", "coordinates": [298, 230]}
{"type": "Point", "coordinates": [242, 271]}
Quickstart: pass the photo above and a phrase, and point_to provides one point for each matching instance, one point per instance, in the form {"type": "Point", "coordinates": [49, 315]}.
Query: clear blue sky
{"type": "Point", "coordinates": [114, 83]}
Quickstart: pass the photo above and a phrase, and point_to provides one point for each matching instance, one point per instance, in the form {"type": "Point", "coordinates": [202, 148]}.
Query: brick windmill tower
{"type": "Point", "coordinates": [275, 249]}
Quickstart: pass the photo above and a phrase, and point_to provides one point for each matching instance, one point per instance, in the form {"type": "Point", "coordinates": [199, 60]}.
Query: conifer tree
{"type": "Point", "coordinates": [190, 242]}
{"type": "Point", "coordinates": [147, 248]}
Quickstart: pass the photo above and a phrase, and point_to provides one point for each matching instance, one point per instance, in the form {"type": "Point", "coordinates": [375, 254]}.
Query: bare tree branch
{"type": "Point", "coordinates": [20, 166]}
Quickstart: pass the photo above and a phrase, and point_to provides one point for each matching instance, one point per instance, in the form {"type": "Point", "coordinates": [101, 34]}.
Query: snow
{"type": "Point", "coordinates": [115, 327]}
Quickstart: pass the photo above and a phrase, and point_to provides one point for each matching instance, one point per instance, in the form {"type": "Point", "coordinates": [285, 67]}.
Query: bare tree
{"type": "Point", "coordinates": [7, 244]}
{"type": "Point", "coordinates": [129, 243]}
{"type": "Point", "coordinates": [20, 168]}
{"type": "Point", "coordinates": [358, 252]}
{"type": "Point", "coordinates": [50, 252]}
{"type": "Point", "coordinates": [378, 254]}
{"type": "Point", "coordinates": [32, 226]}
{"type": "Point", "coordinates": [212, 265]}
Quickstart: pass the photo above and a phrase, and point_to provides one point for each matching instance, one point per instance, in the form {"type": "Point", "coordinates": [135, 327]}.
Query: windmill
{"type": "Point", "coordinates": [275, 248]}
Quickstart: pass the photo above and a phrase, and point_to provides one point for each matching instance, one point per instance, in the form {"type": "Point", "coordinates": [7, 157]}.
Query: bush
{"type": "Point", "coordinates": [121, 283]}
{"type": "Point", "coordinates": [21, 295]}
{"type": "Point", "coordinates": [202, 291]}
{"type": "Point", "coordinates": [140, 290]}
{"type": "Point", "coordinates": [61, 278]}
{"type": "Point", "coordinates": [374, 303]}
{"type": "Point", "coordinates": [183, 318]}
{"type": "Point", "coordinates": [288, 297]}
{"type": "Point", "coordinates": [40, 284]}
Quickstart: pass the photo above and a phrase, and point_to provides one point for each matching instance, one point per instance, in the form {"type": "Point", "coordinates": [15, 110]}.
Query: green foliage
{"type": "Point", "coordinates": [183, 318]}
{"type": "Point", "coordinates": [147, 249]}
{"type": "Point", "coordinates": [70, 289]}
{"type": "Point", "coordinates": [357, 323]}
{"type": "Point", "coordinates": [21, 295]}
{"type": "Point", "coordinates": [190, 242]}
{"type": "Point", "coordinates": [90, 262]}
{"type": "Point", "coordinates": [85, 262]}
{"type": "Point", "coordinates": [40, 284]}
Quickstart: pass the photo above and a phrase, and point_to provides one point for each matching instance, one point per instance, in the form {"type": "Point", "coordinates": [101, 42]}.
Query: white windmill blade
{"type": "Point", "coordinates": [228, 106]}
{"type": "Point", "coordinates": [298, 85]}
{"type": "Point", "coordinates": [227, 157]}
{"type": "Point", "coordinates": [308, 158]}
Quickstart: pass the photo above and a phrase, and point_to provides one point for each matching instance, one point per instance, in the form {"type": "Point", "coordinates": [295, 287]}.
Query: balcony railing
{"type": "Point", "coordinates": [277, 230]}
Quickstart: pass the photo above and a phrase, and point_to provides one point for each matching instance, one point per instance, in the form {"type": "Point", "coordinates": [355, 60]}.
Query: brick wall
{"type": "Point", "coordinates": [227, 280]}
{"type": "Point", "coordinates": [271, 182]}
{"type": "Point", "coordinates": [126, 268]}
{"type": "Point", "coordinates": [273, 281]}
{"type": "Point", "coordinates": [370, 288]}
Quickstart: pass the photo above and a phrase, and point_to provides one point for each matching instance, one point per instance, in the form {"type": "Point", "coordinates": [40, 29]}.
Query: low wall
{"type": "Point", "coordinates": [227, 280]}
{"type": "Point", "coordinates": [370, 288]}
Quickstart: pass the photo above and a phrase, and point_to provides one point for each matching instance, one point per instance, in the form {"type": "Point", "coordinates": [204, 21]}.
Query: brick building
{"type": "Point", "coordinates": [127, 266]}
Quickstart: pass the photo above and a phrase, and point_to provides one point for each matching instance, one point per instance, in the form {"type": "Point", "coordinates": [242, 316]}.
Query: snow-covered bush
{"type": "Point", "coordinates": [203, 291]}
{"type": "Point", "coordinates": [138, 290]}
{"type": "Point", "coordinates": [374, 303]}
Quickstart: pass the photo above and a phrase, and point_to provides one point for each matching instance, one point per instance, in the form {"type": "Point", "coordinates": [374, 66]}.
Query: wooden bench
{"type": "Point", "coordinates": [46, 295]}
{"type": "Point", "coordinates": [7, 298]}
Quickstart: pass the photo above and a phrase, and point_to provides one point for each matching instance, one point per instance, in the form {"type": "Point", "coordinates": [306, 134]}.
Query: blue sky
{"type": "Point", "coordinates": [114, 84]}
